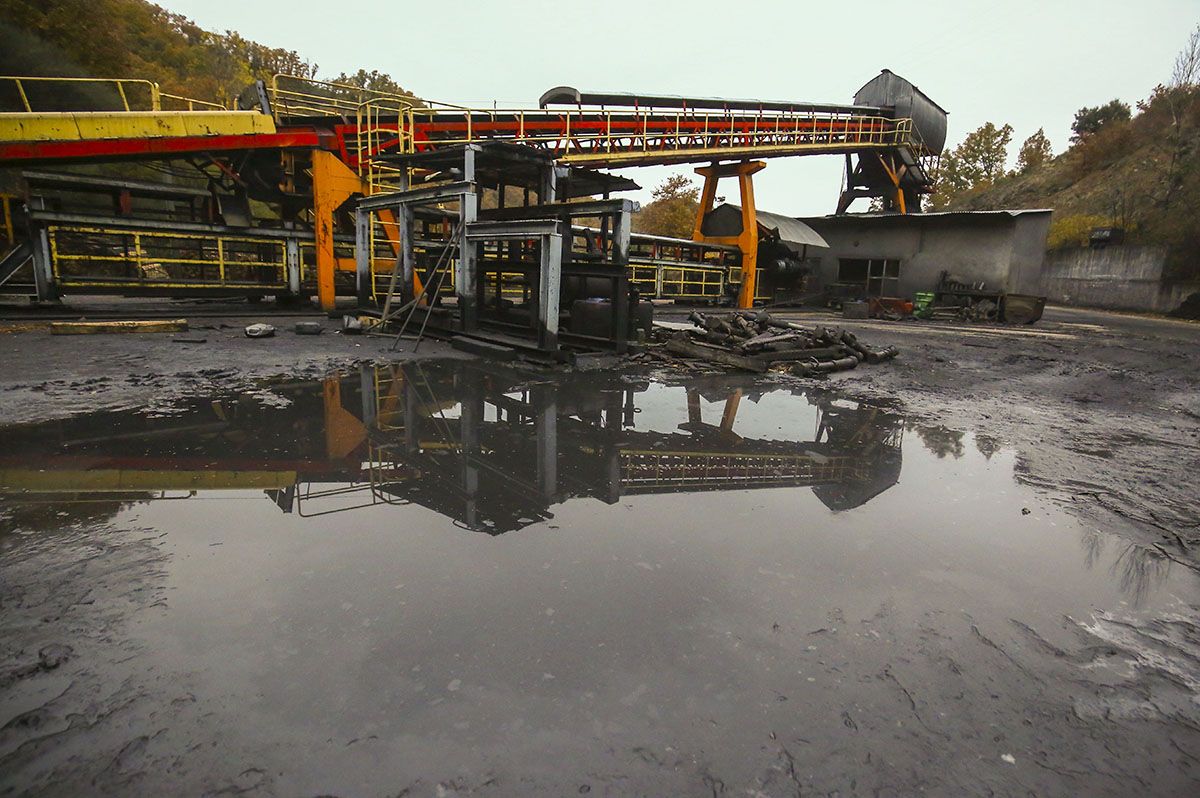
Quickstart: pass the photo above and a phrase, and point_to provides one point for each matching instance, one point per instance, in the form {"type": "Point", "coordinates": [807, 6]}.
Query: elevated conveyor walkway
{"type": "Point", "coordinates": [319, 144]}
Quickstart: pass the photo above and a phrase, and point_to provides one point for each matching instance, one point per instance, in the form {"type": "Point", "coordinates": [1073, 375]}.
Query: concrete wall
{"type": "Point", "coordinates": [1029, 253]}
{"type": "Point", "coordinates": [1118, 278]}
{"type": "Point", "coordinates": [1004, 250]}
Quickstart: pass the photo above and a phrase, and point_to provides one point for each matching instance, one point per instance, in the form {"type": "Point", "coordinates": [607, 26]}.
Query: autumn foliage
{"type": "Point", "coordinates": [136, 39]}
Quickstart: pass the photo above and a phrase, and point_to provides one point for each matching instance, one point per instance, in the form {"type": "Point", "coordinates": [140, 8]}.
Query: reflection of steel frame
{"type": "Point", "coordinates": [492, 447]}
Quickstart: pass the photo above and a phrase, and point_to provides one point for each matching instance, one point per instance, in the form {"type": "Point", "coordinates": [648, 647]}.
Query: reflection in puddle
{"type": "Point", "coordinates": [716, 586]}
{"type": "Point", "coordinates": [493, 449]}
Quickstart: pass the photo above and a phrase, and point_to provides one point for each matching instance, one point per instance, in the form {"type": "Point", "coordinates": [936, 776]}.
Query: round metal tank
{"type": "Point", "coordinates": [889, 90]}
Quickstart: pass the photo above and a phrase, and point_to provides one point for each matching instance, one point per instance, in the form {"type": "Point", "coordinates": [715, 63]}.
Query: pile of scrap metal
{"type": "Point", "coordinates": [757, 341]}
{"type": "Point", "coordinates": [979, 310]}
{"type": "Point", "coordinates": [955, 299]}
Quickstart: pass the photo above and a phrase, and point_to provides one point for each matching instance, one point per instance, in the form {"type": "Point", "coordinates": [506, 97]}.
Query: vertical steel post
{"type": "Point", "coordinates": [412, 413]}
{"type": "Point", "coordinates": [405, 220]}
{"type": "Point", "coordinates": [370, 400]}
{"type": "Point", "coordinates": [43, 268]}
{"type": "Point", "coordinates": [292, 255]}
{"type": "Point", "coordinates": [547, 440]}
{"type": "Point", "coordinates": [549, 279]}
{"type": "Point", "coordinates": [465, 273]}
{"type": "Point", "coordinates": [470, 423]}
{"type": "Point", "coordinates": [622, 229]}
{"type": "Point", "coordinates": [364, 282]}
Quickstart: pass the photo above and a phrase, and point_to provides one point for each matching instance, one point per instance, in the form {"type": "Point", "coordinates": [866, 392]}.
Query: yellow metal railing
{"type": "Point", "coordinates": [168, 102]}
{"type": "Point", "coordinates": [389, 384]}
{"type": "Point", "coordinates": [293, 96]}
{"type": "Point", "coordinates": [589, 134]}
{"type": "Point", "coordinates": [393, 125]}
{"type": "Point", "coordinates": [676, 281]}
{"type": "Point", "coordinates": [115, 258]}
{"type": "Point", "coordinates": [384, 126]}
{"type": "Point", "coordinates": [690, 283]}
{"type": "Point", "coordinates": [47, 94]}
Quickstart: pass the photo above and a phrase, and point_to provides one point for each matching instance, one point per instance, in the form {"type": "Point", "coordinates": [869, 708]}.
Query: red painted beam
{"type": "Point", "coordinates": [167, 147]}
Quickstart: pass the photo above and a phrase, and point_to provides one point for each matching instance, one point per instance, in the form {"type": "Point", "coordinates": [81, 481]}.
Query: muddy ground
{"type": "Point", "coordinates": [699, 643]}
{"type": "Point", "coordinates": [1102, 408]}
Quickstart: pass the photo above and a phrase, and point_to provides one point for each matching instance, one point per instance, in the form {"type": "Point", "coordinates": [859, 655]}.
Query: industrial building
{"type": "Point", "coordinates": [894, 255]}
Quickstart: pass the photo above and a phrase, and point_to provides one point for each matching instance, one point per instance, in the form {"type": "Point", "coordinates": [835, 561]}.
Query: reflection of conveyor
{"type": "Point", "coordinates": [493, 448]}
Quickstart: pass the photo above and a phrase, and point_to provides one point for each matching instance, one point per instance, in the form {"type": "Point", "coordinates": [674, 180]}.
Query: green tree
{"type": "Point", "coordinates": [1035, 152]}
{"type": "Point", "coordinates": [975, 164]}
{"type": "Point", "coordinates": [372, 81]}
{"type": "Point", "coordinates": [1089, 121]}
{"type": "Point", "coordinates": [673, 210]}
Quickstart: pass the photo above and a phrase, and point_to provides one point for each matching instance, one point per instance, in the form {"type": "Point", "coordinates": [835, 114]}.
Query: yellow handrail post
{"type": "Point", "coordinates": [24, 97]}
{"type": "Point", "coordinates": [9, 237]}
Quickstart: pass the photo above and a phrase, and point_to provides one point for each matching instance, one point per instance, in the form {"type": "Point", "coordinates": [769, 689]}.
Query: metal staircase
{"type": "Point", "coordinates": [16, 271]}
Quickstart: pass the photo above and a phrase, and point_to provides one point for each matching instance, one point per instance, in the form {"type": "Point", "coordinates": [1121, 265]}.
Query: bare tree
{"type": "Point", "coordinates": [1187, 63]}
{"type": "Point", "coordinates": [1178, 95]}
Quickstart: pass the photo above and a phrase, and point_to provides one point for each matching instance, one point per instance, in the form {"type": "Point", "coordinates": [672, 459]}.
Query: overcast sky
{"type": "Point", "coordinates": [1028, 63]}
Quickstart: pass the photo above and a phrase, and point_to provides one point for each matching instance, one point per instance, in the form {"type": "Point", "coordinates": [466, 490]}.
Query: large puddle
{"type": "Point", "coordinates": [451, 578]}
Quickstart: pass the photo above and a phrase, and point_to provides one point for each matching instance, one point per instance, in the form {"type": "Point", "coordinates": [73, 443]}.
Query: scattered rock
{"type": "Point", "coordinates": [259, 331]}
{"type": "Point", "coordinates": [53, 655]}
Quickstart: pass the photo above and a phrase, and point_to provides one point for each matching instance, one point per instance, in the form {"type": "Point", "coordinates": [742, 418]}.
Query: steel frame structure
{"type": "Point", "coordinates": [547, 224]}
{"type": "Point", "coordinates": [354, 138]}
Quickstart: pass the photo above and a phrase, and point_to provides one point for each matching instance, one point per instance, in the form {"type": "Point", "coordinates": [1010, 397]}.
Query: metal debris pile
{"type": "Point", "coordinates": [757, 341]}
{"type": "Point", "coordinates": [982, 310]}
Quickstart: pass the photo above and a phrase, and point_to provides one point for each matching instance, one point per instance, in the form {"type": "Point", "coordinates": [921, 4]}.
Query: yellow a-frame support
{"type": "Point", "coordinates": [333, 184]}
{"type": "Point", "coordinates": [747, 239]}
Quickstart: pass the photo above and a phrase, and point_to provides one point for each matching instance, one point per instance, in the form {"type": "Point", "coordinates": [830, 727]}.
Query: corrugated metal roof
{"type": "Point", "coordinates": [915, 88]}
{"type": "Point", "coordinates": [789, 229]}
{"type": "Point", "coordinates": [1012, 212]}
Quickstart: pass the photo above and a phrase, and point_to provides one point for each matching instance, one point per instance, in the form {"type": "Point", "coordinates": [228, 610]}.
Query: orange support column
{"type": "Point", "coordinates": [747, 239]}
{"type": "Point", "coordinates": [343, 431]}
{"type": "Point", "coordinates": [894, 175]}
{"type": "Point", "coordinates": [333, 184]}
{"type": "Point", "coordinates": [730, 413]}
